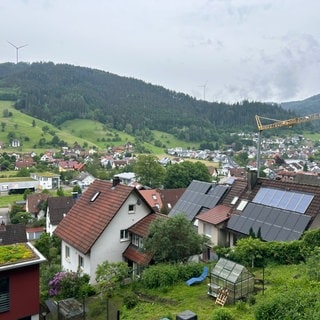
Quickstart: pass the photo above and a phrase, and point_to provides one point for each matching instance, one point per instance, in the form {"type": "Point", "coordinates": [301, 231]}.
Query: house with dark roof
{"type": "Point", "coordinates": [277, 210]}
{"type": "Point", "coordinates": [96, 227]}
{"type": "Point", "coordinates": [35, 204]}
{"type": "Point", "coordinates": [133, 255]}
{"type": "Point", "coordinates": [57, 208]}
{"type": "Point", "coordinates": [199, 197]}
{"type": "Point", "coordinates": [13, 233]}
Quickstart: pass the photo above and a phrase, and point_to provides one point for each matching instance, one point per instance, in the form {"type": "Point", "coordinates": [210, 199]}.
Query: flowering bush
{"type": "Point", "coordinates": [70, 284]}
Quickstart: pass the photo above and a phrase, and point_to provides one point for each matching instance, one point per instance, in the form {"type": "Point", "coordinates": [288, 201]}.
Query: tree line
{"type": "Point", "coordinates": [59, 92]}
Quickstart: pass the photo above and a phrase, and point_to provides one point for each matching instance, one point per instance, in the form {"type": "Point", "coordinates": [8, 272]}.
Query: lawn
{"type": "Point", "coordinates": [170, 301]}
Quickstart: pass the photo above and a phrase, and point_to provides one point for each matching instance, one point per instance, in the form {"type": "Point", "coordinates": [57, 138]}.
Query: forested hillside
{"type": "Point", "coordinates": [307, 106]}
{"type": "Point", "coordinates": [59, 92]}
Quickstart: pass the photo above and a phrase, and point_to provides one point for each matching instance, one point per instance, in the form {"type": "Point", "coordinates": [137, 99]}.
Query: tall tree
{"type": "Point", "coordinates": [173, 240]}
{"type": "Point", "coordinates": [181, 175]}
{"type": "Point", "coordinates": [149, 171]}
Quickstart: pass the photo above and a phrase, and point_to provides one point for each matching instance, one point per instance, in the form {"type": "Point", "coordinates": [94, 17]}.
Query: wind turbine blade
{"type": "Point", "coordinates": [12, 44]}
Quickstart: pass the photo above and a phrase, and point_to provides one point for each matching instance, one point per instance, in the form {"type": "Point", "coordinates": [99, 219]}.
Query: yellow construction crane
{"type": "Point", "coordinates": [278, 124]}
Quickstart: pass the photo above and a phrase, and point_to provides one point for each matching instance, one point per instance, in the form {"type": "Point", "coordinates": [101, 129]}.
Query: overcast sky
{"type": "Point", "coordinates": [220, 50]}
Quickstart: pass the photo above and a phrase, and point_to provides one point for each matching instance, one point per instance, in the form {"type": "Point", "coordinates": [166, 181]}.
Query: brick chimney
{"type": "Point", "coordinates": [252, 177]}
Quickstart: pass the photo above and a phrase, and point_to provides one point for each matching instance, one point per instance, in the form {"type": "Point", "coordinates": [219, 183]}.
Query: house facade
{"type": "Point", "coordinates": [19, 286]}
{"type": "Point", "coordinates": [133, 255]}
{"type": "Point", "coordinates": [46, 180]}
{"type": "Point", "coordinates": [96, 228]}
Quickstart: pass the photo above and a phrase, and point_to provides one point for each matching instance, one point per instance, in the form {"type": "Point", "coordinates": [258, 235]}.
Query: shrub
{"type": "Point", "coordinates": [163, 275]}
{"type": "Point", "coordinates": [222, 314]}
{"type": "Point", "coordinates": [130, 300]}
{"type": "Point", "coordinates": [69, 284]}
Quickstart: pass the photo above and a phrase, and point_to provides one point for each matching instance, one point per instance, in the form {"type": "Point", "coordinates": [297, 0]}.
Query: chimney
{"type": "Point", "coordinates": [115, 181]}
{"type": "Point", "coordinates": [252, 179]}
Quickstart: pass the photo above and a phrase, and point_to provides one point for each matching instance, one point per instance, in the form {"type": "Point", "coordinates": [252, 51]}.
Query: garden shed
{"type": "Point", "coordinates": [231, 277]}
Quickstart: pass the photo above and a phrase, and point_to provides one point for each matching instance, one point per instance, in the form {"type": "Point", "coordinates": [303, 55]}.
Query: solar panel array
{"type": "Point", "coordinates": [275, 224]}
{"type": "Point", "coordinates": [198, 195]}
{"type": "Point", "coordinates": [282, 199]}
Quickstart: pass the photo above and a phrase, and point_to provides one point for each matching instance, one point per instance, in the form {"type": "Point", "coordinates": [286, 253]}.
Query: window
{"type": "Point", "coordinates": [4, 294]}
{"type": "Point", "coordinates": [234, 200]}
{"type": "Point", "coordinates": [207, 229]}
{"type": "Point", "coordinates": [67, 252]}
{"type": "Point", "coordinates": [124, 235]}
{"type": "Point", "coordinates": [95, 196]}
{"type": "Point", "coordinates": [131, 208]}
{"type": "Point", "coordinates": [242, 205]}
{"type": "Point", "coordinates": [80, 262]}
{"type": "Point", "coordinates": [137, 241]}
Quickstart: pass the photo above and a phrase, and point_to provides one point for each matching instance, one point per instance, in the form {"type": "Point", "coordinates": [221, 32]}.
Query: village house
{"type": "Point", "coordinates": [46, 180]}
{"type": "Point", "coordinates": [57, 208]}
{"type": "Point", "coordinates": [83, 179]}
{"type": "Point", "coordinates": [102, 215]}
{"type": "Point", "coordinates": [133, 255]}
{"type": "Point", "coordinates": [277, 210]}
{"type": "Point", "coordinates": [36, 203]}
{"type": "Point", "coordinates": [19, 275]}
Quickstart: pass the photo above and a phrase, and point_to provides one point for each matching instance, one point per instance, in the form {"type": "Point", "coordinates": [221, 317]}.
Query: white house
{"type": "Point", "coordinates": [96, 228]}
{"type": "Point", "coordinates": [83, 179]}
{"type": "Point", "coordinates": [46, 180]}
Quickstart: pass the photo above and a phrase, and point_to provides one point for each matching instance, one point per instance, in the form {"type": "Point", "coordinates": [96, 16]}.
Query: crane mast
{"type": "Point", "coordinates": [277, 124]}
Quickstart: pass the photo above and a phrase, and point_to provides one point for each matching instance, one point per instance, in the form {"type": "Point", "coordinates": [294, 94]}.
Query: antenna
{"type": "Point", "coordinates": [204, 86]}
{"type": "Point", "coordinates": [17, 49]}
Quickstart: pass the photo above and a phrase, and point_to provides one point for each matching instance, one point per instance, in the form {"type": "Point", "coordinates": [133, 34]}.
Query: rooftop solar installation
{"type": "Point", "coordinates": [197, 196]}
{"type": "Point", "coordinates": [283, 199]}
{"type": "Point", "coordinates": [275, 224]}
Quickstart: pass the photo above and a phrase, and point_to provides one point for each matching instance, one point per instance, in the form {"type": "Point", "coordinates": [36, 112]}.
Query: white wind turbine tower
{"type": "Point", "coordinates": [17, 49]}
{"type": "Point", "coordinates": [204, 86]}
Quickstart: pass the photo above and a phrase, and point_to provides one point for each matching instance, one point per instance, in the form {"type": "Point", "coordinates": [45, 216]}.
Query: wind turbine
{"type": "Point", "coordinates": [204, 86]}
{"type": "Point", "coordinates": [17, 49]}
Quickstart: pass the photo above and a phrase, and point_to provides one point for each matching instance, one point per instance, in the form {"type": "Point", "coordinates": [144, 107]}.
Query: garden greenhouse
{"type": "Point", "coordinates": [233, 277]}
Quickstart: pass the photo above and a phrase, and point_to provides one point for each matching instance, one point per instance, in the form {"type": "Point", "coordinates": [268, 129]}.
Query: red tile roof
{"type": "Point", "coordinates": [215, 215]}
{"type": "Point", "coordinates": [153, 197]}
{"type": "Point", "coordinates": [141, 228]}
{"type": "Point", "coordinates": [132, 253]}
{"type": "Point", "coordinates": [87, 219]}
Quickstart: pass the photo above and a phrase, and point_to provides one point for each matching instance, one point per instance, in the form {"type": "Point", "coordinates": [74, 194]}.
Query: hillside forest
{"type": "Point", "coordinates": [56, 93]}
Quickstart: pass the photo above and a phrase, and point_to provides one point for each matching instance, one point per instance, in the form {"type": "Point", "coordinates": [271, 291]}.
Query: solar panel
{"type": "Point", "coordinates": [282, 199]}
{"type": "Point", "coordinates": [275, 224]}
{"type": "Point", "coordinates": [198, 195]}
{"type": "Point", "coordinates": [283, 235]}
{"type": "Point", "coordinates": [304, 203]}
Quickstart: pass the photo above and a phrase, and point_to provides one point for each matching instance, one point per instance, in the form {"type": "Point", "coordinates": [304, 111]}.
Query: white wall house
{"type": "Point", "coordinates": [46, 180]}
{"type": "Point", "coordinates": [96, 228]}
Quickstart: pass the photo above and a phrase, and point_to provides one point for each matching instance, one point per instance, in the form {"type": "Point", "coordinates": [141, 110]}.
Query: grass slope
{"type": "Point", "coordinates": [89, 132]}
{"type": "Point", "coordinates": [21, 125]}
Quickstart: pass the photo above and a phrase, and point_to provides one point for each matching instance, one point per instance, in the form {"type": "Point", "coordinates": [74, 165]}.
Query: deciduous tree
{"type": "Point", "coordinates": [173, 240]}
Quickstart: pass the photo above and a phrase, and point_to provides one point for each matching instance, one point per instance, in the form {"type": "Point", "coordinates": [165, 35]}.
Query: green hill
{"type": "Point", "coordinates": [57, 93]}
